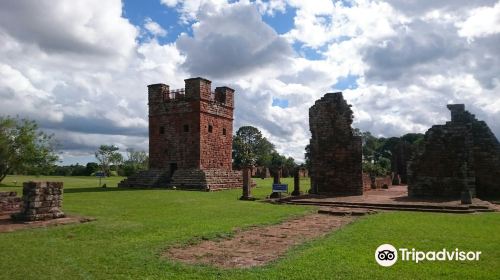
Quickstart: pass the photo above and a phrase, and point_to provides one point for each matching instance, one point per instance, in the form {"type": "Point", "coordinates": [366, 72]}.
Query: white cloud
{"type": "Point", "coordinates": [87, 82]}
{"type": "Point", "coordinates": [482, 22]}
{"type": "Point", "coordinates": [154, 28]}
{"type": "Point", "coordinates": [232, 42]}
{"type": "Point", "coordinates": [190, 9]}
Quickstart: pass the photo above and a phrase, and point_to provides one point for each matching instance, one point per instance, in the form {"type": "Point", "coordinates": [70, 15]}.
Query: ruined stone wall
{"type": "Point", "coordinates": [401, 155]}
{"type": "Point", "coordinates": [335, 151]}
{"type": "Point", "coordinates": [462, 154]}
{"type": "Point", "coordinates": [9, 202]}
{"type": "Point", "coordinates": [370, 182]}
{"type": "Point", "coordinates": [383, 182]}
{"type": "Point", "coordinates": [41, 201]}
{"type": "Point", "coordinates": [303, 172]}
{"type": "Point", "coordinates": [367, 182]}
{"type": "Point", "coordinates": [262, 172]}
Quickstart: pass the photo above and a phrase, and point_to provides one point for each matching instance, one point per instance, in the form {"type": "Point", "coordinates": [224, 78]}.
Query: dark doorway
{"type": "Point", "coordinates": [172, 168]}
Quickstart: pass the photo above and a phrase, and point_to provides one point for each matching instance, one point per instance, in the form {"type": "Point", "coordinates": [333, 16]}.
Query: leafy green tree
{"type": "Point", "coordinates": [108, 155]}
{"type": "Point", "coordinates": [307, 156]}
{"type": "Point", "coordinates": [250, 147]}
{"type": "Point", "coordinates": [91, 168]}
{"type": "Point", "coordinates": [136, 161]}
{"type": "Point", "coordinates": [24, 148]}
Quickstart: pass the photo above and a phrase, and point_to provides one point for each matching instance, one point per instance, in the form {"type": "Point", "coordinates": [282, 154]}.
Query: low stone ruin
{"type": "Point", "coordinates": [335, 151]}
{"type": "Point", "coordinates": [41, 201]}
{"type": "Point", "coordinates": [461, 156]}
{"type": "Point", "coordinates": [9, 202]}
{"type": "Point", "coordinates": [376, 182]}
{"type": "Point", "coordinates": [261, 172]}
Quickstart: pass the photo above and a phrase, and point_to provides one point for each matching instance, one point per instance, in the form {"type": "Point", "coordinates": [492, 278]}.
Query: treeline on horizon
{"type": "Point", "coordinates": [26, 150]}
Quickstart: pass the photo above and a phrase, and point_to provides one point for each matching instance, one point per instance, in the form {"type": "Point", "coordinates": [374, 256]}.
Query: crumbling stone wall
{"type": "Point", "coordinates": [261, 172]}
{"type": "Point", "coordinates": [462, 154]}
{"type": "Point", "coordinates": [335, 151]}
{"type": "Point", "coordinates": [401, 155]}
{"type": "Point", "coordinates": [372, 182]}
{"type": "Point", "coordinates": [9, 202]}
{"type": "Point", "coordinates": [303, 172]}
{"type": "Point", "coordinates": [41, 201]}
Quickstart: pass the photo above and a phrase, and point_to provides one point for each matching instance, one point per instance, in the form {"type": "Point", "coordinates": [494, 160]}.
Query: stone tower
{"type": "Point", "coordinates": [335, 151]}
{"type": "Point", "coordinates": [190, 137]}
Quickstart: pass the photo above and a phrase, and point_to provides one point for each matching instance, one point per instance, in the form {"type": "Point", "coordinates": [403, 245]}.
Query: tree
{"type": "Point", "coordinates": [108, 155]}
{"type": "Point", "coordinates": [250, 147]}
{"type": "Point", "coordinates": [307, 156]}
{"type": "Point", "coordinates": [136, 161]}
{"type": "Point", "coordinates": [23, 147]}
{"type": "Point", "coordinates": [91, 167]}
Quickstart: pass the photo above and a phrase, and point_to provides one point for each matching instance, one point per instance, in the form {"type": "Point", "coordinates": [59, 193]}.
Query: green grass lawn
{"type": "Point", "coordinates": [133, 227]}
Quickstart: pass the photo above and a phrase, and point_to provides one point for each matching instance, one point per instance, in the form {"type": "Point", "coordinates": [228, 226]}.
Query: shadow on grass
{"type": "Point", "coordinates": [9, 186]}
{"type": "Point", "coordinates": [113, 189]}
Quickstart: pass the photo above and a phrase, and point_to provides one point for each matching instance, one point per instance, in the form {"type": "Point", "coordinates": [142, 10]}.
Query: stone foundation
{"type": "Point", "coordinates": [9, 202]}
{"type": "Point", "coordinates": [41, 201]}
{"type": "Point", "coordinates": [335, 151]}
{"type": "Point", "coordinates": [153, 178]}
{"type": "Point", "coordinates": [208, 179]}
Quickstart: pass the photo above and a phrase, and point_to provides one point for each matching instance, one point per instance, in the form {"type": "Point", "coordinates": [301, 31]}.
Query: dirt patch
{"type": "Point", "coordinates": [260, 245]}
{"type": "Point", "coordinates": [9, 225]}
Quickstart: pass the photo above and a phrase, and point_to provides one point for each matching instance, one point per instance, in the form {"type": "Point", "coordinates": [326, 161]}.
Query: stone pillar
{"type": "Point", "coordinates": [335, 150]}
{"type": "Point", "coordinates": [247, 172]}
{"type": "Point", "coordinates": [396, 180]}
{"type": "Point", "coordinates": [296, 182]}
{"type": "Point", "coordinates": [41, 201]}
{"type": "Point", "coordinates": [277, 176]}
{"type": "Point", "coordinates": [276, 180]}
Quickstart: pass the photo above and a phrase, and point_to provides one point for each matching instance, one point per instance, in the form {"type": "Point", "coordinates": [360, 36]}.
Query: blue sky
{"type": "Point", "coordinates": [397, 62]}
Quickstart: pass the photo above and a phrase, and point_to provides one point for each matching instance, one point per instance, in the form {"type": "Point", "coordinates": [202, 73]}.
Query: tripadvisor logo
{"type": "Point", "coordinates": [387, 255]}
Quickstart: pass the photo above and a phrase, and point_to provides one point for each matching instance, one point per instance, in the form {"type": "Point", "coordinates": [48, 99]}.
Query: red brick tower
{"type": "Point", "coordinates": [190, 137]}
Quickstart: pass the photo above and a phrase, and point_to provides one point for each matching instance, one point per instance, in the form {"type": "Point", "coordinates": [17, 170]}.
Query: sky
{"type": "Point", "coordinates": [81, 68]}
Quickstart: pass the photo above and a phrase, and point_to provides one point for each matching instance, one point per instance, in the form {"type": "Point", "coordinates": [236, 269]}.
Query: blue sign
{"type": "Point", "coordinates": [280, 188]}
{"type": "Point", "coordinates": [100, 174]}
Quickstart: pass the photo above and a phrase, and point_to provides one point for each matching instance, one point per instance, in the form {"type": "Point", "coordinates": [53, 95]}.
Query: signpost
{"type": "Point", "coordinates": [100, 175]}
{"type": "Point", "coordinates": [280, 188]}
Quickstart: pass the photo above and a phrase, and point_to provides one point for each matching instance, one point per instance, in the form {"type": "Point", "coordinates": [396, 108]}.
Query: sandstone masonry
{"type": "Point", "coordinates": [335, 152]}
{"type": "Point", "coordinates": [9, 202]}
{"type": "Point", "coordinates": [190, 138]}
{"type": "Point", "coordinates": [461, 155]}
{"type": "Point", "coordinates": [41, 201]}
